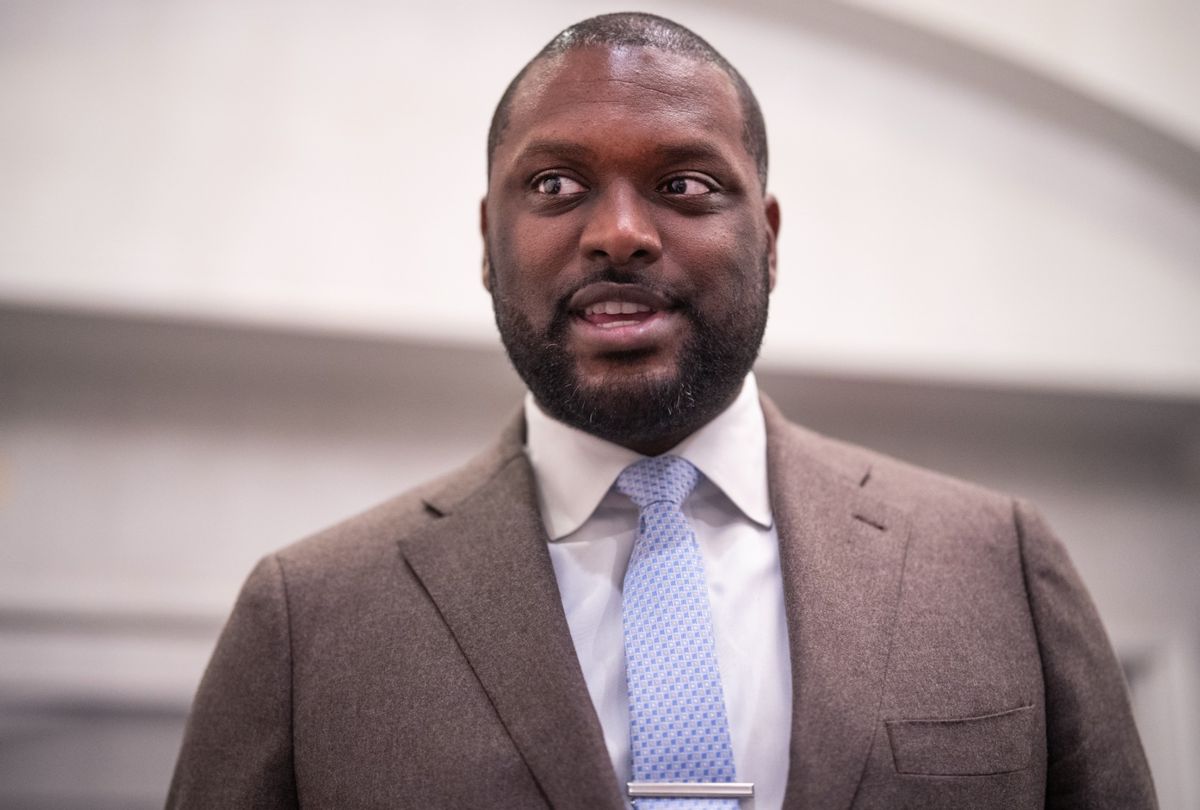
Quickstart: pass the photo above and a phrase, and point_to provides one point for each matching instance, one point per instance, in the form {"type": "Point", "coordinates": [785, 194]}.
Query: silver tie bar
{"type": "Point", "coordinates": [690, 790]}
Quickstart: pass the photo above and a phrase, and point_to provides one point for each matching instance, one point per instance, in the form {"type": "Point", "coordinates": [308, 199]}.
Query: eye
{"type": "Point", "coordinates": [557, 185]}
{"type": "Point", "coordinates": [686, 187]}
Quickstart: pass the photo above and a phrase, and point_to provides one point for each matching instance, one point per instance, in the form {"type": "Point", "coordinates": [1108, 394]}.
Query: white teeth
{"type": "Point", "coordinates": [615, 324]}
{"type": "Point", "coordinates": [616, 308]}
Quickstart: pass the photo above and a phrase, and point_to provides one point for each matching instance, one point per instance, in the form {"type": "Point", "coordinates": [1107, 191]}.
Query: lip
{"type": "Point", "coordinates": [611, 291]}
{"type": "Point", "coordinates": [647, 334]}
{"type": "Point", "coordinates": [644, 333]}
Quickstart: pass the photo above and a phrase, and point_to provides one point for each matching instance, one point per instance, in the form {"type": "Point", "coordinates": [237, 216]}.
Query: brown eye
{"type": "Point", "coordinates": [557, 184]}
{"type": "Point", "coordinates": [685, 187]}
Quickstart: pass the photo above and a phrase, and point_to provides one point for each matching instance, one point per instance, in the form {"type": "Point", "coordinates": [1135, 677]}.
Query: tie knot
{"type": "Point", "coordinates": [661, 478]}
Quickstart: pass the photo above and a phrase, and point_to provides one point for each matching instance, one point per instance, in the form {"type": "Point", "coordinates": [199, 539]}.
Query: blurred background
{"type": "Point", "coordinates": [240, 300]}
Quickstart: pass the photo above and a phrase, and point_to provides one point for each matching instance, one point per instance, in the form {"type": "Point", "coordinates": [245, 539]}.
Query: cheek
{"type": "Point", "coordinates": [530, 264]}
{"type": "Point", "coordinates": [722, 265]}
{"type": "Point", "coordinates": [714, 257]}
{"type": "Point", "coordinates": [543, 247]}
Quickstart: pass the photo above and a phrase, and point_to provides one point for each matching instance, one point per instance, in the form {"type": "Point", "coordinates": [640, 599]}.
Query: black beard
{"type": "Point", "coordinates": [634, 409]}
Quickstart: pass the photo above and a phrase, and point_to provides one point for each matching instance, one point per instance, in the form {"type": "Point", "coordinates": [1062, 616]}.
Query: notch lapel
{"type": "Point", "coordinates": [842, 556]}
{"type": "Point", "coordinates": [486, 566]}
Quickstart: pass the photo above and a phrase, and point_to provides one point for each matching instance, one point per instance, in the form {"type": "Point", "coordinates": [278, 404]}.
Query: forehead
{"type": "Point", "coordinates": [623, 95]}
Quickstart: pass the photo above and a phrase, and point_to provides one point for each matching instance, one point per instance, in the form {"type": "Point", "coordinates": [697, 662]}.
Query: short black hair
{"type": "Point", "coordinates": [635, 29]}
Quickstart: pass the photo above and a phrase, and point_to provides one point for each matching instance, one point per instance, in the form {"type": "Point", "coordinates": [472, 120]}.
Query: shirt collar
{"type": "Point", "coordinates": [575, 470]}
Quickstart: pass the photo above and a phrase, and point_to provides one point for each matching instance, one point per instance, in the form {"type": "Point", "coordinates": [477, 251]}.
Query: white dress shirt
{"type": "Point", "coordinates": [592, 527]}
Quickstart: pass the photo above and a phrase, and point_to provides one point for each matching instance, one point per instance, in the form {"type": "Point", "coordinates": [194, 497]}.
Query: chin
{"type": "Point", "coordinates": [636, 400]}
{"type": "Point", "coordinates": [628, 407]}
{"type": "Point", "coordinates": [633, 374]}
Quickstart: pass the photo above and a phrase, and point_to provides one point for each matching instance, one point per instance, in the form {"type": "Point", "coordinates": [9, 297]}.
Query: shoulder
{"type": "Point", "coordinates": [366, 540]}
{"type": "Point", "coordinates": [924, 495]}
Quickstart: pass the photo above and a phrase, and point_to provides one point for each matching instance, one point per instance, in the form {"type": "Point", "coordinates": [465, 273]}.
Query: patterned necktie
{"type": "Point", "coordinates": [678, 728]}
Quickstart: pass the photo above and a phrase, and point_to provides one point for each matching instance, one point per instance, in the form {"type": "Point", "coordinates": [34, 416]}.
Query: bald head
{"type": "Point", "coordinates": [638, 30]}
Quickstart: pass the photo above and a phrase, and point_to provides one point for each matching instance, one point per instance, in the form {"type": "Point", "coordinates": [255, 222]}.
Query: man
{"type": "Point", "coordinates": [653, 582]}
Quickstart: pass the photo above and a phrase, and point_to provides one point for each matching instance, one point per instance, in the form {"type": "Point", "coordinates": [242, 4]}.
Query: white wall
{"type": "Point", "coordinates": [320, 164]}
{"type": "Point", "coordinates": [1137, 54]}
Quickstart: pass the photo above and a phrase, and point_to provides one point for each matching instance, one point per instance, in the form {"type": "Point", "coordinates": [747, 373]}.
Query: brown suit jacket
{"type": "Point", "coordinates": [944, 655]}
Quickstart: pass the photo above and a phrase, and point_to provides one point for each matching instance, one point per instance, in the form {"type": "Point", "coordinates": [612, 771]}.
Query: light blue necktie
{"type": "Point", "coordinates": [678, 728]}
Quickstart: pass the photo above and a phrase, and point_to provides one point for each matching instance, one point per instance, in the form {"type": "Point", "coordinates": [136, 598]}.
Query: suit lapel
{"type": "Point", "coordinates": [842, 555]}
{"type": "Point", "coordinates": [486, 566]}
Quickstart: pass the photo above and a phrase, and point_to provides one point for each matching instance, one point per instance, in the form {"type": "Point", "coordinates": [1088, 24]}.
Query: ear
{"type": "Point", "coordinates": [771, 209]}
{"type": "Point", "coordinates": [487, 268]}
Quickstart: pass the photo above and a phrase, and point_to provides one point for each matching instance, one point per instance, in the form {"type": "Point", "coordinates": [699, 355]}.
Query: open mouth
{"type": "Point", "coordinates": [613, 314]}
{"type": "Point", "coordinates": [617, 319]}
{"type": "Point", "coordinates": [611, 306]}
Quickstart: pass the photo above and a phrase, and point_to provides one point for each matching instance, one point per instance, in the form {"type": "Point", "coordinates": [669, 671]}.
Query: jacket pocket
{"type": "Point", "coordinates": [968, 746]}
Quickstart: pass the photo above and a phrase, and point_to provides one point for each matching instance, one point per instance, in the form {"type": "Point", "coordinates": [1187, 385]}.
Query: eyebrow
{"type": "Point", "coordinates": [551, 148]}
{"type": "Point", "coordinates": [690, 150]}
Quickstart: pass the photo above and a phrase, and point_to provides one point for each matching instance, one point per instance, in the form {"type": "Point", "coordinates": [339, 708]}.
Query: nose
{"type": "Point", "coordinates": [620, 228]}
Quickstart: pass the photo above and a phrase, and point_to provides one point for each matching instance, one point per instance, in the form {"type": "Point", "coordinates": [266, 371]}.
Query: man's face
{"type": "Point", "coordinates": [629, 247]}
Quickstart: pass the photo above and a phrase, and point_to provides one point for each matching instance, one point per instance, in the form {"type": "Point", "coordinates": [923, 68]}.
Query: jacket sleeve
{"type": "Point", "coordinates": [1094, 756]}
{"type": "Point", "coordinates": [237, 747]}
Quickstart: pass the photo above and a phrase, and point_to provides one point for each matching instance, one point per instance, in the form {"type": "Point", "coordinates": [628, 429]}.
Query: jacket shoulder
{"type": "Point", "coordinates": [901, 484]}
{"type": "Point", "coordinates": [361, 540]}
{"type": "Point", "coordinates": [907, 487]}
{"type": "Point", "coordinates": [912, 486]}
